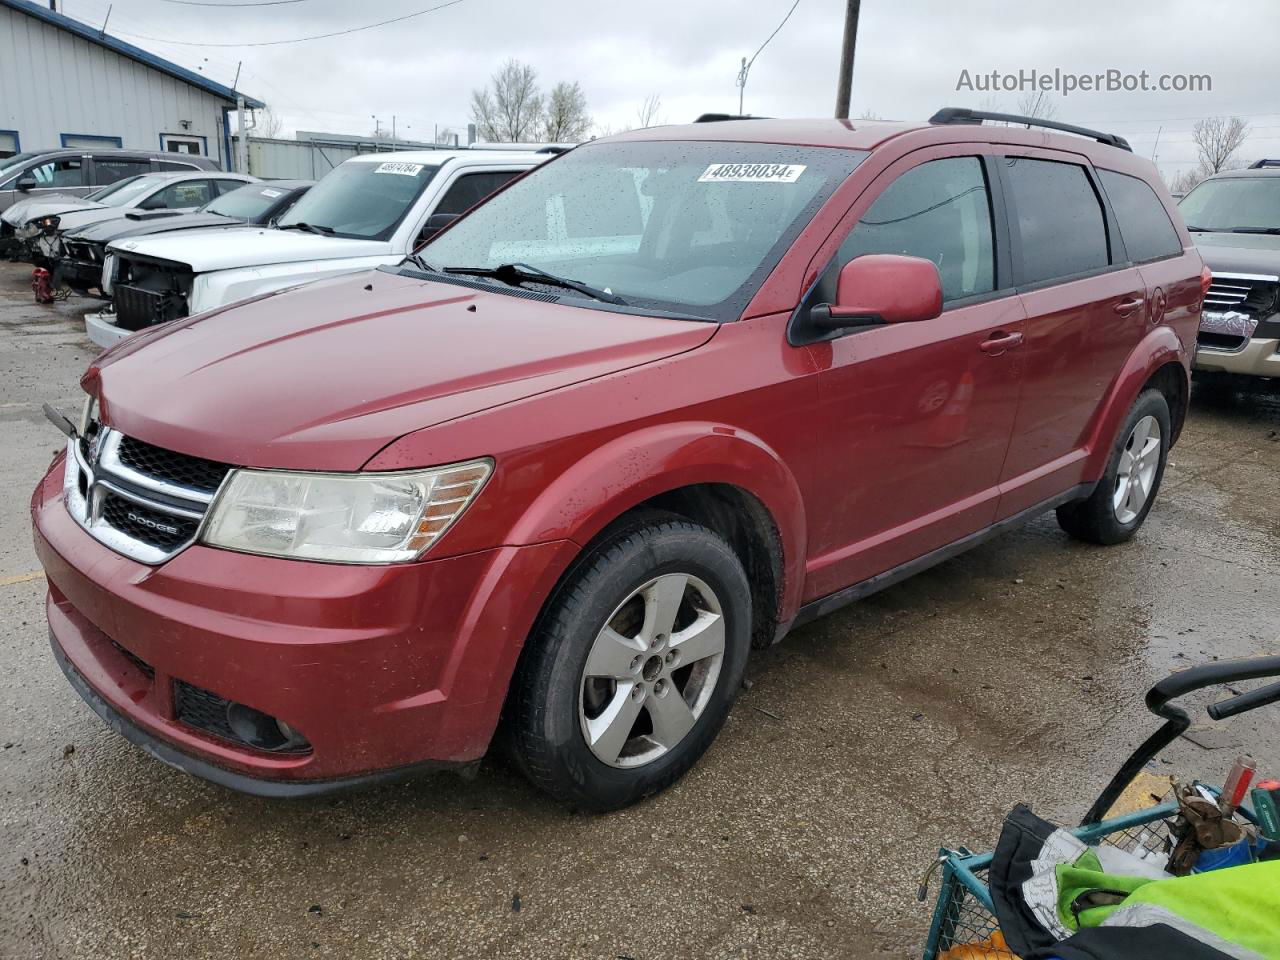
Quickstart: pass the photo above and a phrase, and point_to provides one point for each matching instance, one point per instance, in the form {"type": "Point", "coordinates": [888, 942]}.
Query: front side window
{"type": "Point", "coordinates": [939, 211]}
{"type": "Point", "coordinates": [68, 172]}
{"type": "Point", "coordinates": [1145, 226]}
{"type": "Point", "coordinates": [684, 227]}
{"type": "Point", "coordinates": [1059, 228]}
{"type": "Point", "coordinates": [1248, 204]}
{"type": "Point", "coordinates": [365, 199]}
{"type": "Point", "coordinates": [470, 188]}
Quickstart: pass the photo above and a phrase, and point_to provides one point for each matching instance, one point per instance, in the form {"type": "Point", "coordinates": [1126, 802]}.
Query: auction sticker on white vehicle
{"type": "Point", "coordinates": [399, 167]}
{"type": "Point", "coordinates": [752, 173]}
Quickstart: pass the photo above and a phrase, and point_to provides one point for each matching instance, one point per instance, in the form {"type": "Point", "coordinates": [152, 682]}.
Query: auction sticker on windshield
{"type": "Point", "coordinates": [752, 173]}
{"type": "Point", "coordinates": [397, 166]}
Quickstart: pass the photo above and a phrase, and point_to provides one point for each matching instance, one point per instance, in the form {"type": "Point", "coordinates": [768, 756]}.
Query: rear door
{"type": "Point", "coordinates": [1085, 306]}
{"type": "Point", "coordinates": [916, 417]}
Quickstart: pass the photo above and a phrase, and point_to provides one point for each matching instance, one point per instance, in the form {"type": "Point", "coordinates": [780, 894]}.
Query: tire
{"type": "Point", "coordinates": [1124, 496]}
{"type": "Point", "coordinates": [595, 721]}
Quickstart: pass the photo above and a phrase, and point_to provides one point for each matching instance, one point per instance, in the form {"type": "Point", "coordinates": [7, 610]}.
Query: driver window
{"type": "Point", "coordinates": [940, 211]}
{"type": "Point", "coordinates": [68, 172]}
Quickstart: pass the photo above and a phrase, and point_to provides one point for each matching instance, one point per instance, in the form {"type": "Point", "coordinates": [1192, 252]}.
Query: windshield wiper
{"type": "Point", "coordinates": [517, 273]}
{"type": "Point", "coordinates": [309, 227]}
{"type": "Point", "coordinates": [417, 261]}
{"type": "Point", "coordinates": [1271, 230]}
{"type": "Point", "coordinates": [1191, 229]}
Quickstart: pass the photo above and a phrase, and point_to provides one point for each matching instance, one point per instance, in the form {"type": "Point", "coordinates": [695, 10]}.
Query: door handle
{"type": "Point", "coordinates": [999, 342]}
{"type": "Point", "coordinates": [1126, 307]}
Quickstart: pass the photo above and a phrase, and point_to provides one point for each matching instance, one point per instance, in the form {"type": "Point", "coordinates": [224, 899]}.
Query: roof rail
{"type": "Point", "coordinates": [1264, 163]}
{"type": "Point", "coordinates": [964, 115]}
{"type": "Point", "coordinates": [717, 117]}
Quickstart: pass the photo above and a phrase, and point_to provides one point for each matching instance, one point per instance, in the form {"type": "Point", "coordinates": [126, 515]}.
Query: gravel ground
{"type": "Point", "coordinates": [865, 740]}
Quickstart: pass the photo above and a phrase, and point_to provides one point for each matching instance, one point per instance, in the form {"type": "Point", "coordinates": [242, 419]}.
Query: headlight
{"type": "Point", "coordinates": [28, 230]}
{"type": "Point", "coordinates": [339, 517]}
{"type": "Point", "coordinates": [108, 273]}
{"type": "Point", "coordinates": [49, 224]}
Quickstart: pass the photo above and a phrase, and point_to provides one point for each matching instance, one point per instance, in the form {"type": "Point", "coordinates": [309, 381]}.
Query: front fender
{"type": "Point", "coordinates": [1159, 347]}
{"type": "Point", "coordinates": [628, 470]}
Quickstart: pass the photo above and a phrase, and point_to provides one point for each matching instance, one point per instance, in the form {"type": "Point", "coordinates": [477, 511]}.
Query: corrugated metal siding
{"type": "Point", "coordinates": [52, 83]}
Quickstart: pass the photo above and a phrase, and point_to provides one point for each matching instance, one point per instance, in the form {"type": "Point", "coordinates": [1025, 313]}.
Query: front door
{"type": "Point", "coordinates": [915, 418]}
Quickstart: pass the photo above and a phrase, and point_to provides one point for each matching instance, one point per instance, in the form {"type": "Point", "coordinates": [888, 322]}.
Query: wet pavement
{"type": "Point", "coordinates": [865, 740]}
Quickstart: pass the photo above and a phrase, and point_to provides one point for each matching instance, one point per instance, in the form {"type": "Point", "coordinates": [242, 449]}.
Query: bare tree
{"type": "Point", "coordinates": [266, 123]}
{"type": "Point", "coordinates": [1186, 180]}
{"type": "Point", "coordinates": [1037, 105]}
{"type": "Point", "coordinates": [509, 110]}
{"type": "Point", "coordinates": [565, 118]}
{"type": "Point", "coordinates": [647, 114]}
{"type": "Point", "coordinates": [446, 135]}
{"type": "Point", "coordinates": [1218, 139]}
{"type": "Point", "coordinates": [869, 115]}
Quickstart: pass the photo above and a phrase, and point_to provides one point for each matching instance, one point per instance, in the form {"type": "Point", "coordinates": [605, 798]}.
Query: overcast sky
{"type": "Point", "coordinates": [910, 57]}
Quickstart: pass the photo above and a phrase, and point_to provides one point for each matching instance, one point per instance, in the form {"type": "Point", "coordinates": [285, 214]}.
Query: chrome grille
{"type": "Point", "coordinates": [140, 500]}
{"type": "Point", "coordinates": [1239, 291]}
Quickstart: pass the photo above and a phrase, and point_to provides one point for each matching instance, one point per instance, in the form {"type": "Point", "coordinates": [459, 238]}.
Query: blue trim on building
{"type": "Point", "coordinates": [187, 136]}
{"type": "Point", "coordinates": [86, 32]}
{"type": "Point", "coordinates": [17, 140]}
{"type": "Point", "coordinates": [96, 138]}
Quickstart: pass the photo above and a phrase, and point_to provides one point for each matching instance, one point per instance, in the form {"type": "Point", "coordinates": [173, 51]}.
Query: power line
{"type": "Point", "coordinates": [318, 36]}
{"type": "Point", "coordinates": [228, 6]}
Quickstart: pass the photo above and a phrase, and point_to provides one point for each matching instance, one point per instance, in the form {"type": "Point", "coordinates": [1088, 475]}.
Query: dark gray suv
{"type": "Point", "coordinates": [77, 171]}
{"type": "Point", "coordinates": [1235, 220]}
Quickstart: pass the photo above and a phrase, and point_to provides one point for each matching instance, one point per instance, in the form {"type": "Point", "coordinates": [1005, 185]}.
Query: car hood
{"type": "Point", "coordinates": [57, 205]}
{"type": "Point", "coordinates": [236, 247]}
{"type": "Point", "coordinates": [1257, 253]}
{"type": "Point", "coordinates": [143, 226]}
{"type": "Point", "coordinates": [77, 220]}
{"type": "Point", "coordinates": [324, 376]}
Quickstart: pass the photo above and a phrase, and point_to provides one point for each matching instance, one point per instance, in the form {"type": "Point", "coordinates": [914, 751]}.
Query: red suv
{"type": "Point", "coordinates": [650, 407]}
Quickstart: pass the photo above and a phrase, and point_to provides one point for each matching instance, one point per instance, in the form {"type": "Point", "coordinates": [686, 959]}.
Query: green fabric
{"type": "Point", "coordinates": [1084, 876]}
{"type": "Point", "coordinates": [1239, 904]}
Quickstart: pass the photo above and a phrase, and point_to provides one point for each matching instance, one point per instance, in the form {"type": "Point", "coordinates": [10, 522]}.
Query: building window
{"type": "Point", "coordinates": [9, 143]}
{"type": "Point", "coordinates": [184, 143]}
{"type": "Point", "coordinates": [90, 140]}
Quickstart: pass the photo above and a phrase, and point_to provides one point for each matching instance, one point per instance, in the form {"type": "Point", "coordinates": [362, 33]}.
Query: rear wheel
{"type": "Point", "coordinates": [634, 667]}
{"type": "Point", "coordinates": [1125, 494]}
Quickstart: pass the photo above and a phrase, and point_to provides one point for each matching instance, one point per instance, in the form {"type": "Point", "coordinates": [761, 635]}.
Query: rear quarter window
{"type": "Point", "coordinates": [1145, 227]}
{"type": "Point", "coordinates": [1059, 227]}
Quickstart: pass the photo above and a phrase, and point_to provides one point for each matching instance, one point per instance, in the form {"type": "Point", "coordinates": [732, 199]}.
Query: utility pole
{"type": "Point", "coordinates": [393, 126]}
{"type": "Point", "coordinates": [242, 144]}
{"type": "Point", "coordinates": [844, 85]}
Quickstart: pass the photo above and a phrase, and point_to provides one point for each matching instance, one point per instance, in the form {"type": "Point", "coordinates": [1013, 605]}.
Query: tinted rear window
{"type": "Point", "coordinates": [1144, 224]}
{"type": "Point", "coordinates": [1061, 230]}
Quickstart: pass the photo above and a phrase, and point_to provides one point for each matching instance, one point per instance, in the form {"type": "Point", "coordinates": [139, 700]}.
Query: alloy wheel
{"type": "Point", "coordinates": [1136, 473]}
{"type": "Point", "coordinates": [651, 670]}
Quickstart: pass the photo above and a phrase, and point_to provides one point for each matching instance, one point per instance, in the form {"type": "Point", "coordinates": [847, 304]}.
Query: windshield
{"type": "Point", "coordinates": [691, 228]}
{"type": "Point", "coordinates": [133, 189]}
{"type": "Point", "coordinates": [102, 192]}
{"type": "Point", "coordinates": [249, 202]}
{"type": "Point", "coordinates": [1233, 203]}
{"type": "Point", "coordinates": [16, 159]}
{"type": "Point", "coordinates": [362, 199]}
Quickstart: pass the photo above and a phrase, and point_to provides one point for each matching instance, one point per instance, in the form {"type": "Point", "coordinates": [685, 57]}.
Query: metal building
{"type": "Point", "coordinates": [64, 83]}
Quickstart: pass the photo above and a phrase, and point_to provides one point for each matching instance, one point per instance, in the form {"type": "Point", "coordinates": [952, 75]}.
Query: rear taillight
{"type": "Point", "coordinates": [1206, 280]}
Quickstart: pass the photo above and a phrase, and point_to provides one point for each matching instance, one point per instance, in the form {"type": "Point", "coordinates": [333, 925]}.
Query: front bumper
{"type": "Point", "coordinates": [101, 328]}
{"type": "Point", "coordinates": [1259, 357]}
{"type": "Point", "coordinates": [383, 669]}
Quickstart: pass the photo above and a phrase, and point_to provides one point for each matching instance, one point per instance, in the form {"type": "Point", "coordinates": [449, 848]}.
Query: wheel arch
{"type": "Point", "coordinates": [1159, 361]}
{"type": "Point", "coordinates": [727, 479]}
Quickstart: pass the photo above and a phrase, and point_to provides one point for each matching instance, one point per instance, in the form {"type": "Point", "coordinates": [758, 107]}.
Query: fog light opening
{"type": "Point", "coordinates": [262, 731]}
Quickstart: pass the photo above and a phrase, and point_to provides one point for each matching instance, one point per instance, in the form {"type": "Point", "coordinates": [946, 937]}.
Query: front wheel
{"type": "Point", "coordinates": [634, 666]}
{"type": "Point", "coordinates": [1125, 494]}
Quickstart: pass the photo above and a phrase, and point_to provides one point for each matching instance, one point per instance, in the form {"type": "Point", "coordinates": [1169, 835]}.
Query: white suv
{"type": "Point", "coordinates": [369, 211]}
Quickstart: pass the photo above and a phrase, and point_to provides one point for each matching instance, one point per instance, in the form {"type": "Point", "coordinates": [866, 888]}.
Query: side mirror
{"type": "Point", "coordinates": [435, 223]}
{"type": "Point", "coordinates": [881, 288]}
{"type": "Point", "coordinates": [25, 184]}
